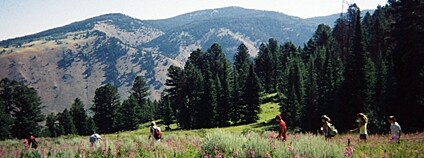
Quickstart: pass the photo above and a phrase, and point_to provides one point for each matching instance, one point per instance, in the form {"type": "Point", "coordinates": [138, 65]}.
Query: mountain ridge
{"type": "Point", "coordinates": [73, 60]}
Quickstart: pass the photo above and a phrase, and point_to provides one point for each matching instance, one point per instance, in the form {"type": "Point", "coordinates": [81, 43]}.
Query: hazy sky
{"type": "Point", "coordinates": [24, 17]}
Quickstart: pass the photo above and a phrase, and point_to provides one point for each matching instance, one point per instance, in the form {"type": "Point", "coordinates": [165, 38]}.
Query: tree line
{"type": "Point", "coordinates": [372, 64]}
{"type": "Point", "coordinates": [20, 111]}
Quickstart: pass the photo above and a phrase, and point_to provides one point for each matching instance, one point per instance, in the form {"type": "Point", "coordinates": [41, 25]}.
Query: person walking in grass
{"type": "Point", "coordinates": [282, 128]}
{"type": "Point", "coordinates": [395, 129]}
{"type": "Point", "coordinates": [31, 141]}
{"type": "Point", "coordinates": [327, 128]}
{"type": "Point", "coordinates": [94, 139]}
{"type": "Point", "coordinates": [155, 132]}
{"type": "Point", "coordinates": [362, 126]}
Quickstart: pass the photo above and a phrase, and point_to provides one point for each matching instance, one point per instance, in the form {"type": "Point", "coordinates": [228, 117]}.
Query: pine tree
{"type": "Point", "coordinates": [252, 96]}
{"type": "Point", "coordinates": [128, 116]}
{"type": "Point", "coordinates": [140, 92]}
{"type": "Point", "coordinates": [65, 121]}
{"type": "Point", "coordinates": [24, 105]}
{"type": "Point", "coordinates": [5, 121]}
{"type": "Point", "coordinates": [106, 104]}
{"type": "Point", "coordinates": [220, 66]}
{"type": "Point", "coordinates": [91, 125]}
{"type": "Point", "coordinates": [359, 77]}
{"type": "Point", "coordinates": [177, 94]}
{"type": "Point", "coordinates": [168, 114]}
{"type": "Point", "coordinates": [79, 117]}
{"type": "Point", "coordinates": [51, 125]}
{"type": "Point", "coordinates": [265, 67]}
{"type": "Point", "coordinates": [406, 36]}
{"type": "Point", "coordinates": [242, 64]}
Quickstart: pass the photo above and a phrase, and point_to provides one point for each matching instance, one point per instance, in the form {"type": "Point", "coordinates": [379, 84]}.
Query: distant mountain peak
{"type": "Point", "coordinates": [73, 60]}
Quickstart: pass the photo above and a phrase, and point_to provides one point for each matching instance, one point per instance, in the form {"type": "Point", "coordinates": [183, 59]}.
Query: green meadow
{"type": "Point", "coordinates": [251, 140]}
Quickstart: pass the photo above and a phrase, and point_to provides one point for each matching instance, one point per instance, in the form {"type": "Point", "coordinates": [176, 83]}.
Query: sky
{"type": "Point", "coordinates": [24, 17]}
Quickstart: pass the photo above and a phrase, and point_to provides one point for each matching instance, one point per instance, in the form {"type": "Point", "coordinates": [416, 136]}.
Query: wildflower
{"type": "Point", "coordinates": [384, 155]}
{"type": "Point", "coordinates": [271, 135]}
{"type": "Point", "coordinates": [348, 152]}
{"type": "Point", "coordinates": [218, 155]}
{"type": "Point", "coordinates": [26, 144]}
{"type": "Point", "coordinates": [252, 153]}
{"type": "Point", "coordinates": [267, 155]}
{"type": "Point", "coordinates": [296, 156]}
{"type": "Point", "coordinates": [206, 155]}
{"type": "Point", "coordinates": [131, 155]}
{"type": "Point", "coordinates": [290, 148]}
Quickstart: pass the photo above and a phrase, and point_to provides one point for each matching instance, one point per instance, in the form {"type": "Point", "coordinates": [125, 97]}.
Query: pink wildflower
{"type": "Point", "coordinates": [271, 135]}
{"type": "Point", "coordinates": [206, 155]}
{"type": "Point", "coordinates": [296, 156]}
{"type": "Point", "coordinates": [384, 155]}
{"type": "Point", "coordinates": [252, 153]}
{"type": "Point", "coordinates": [290, 148]}
{"type": "Point", "coordinates": [267, 155]}
{"type": "Point", "coordinates": [218, 155]}
{"type": "Point", "coordinates": [348, 153]}
{"type": "Point", "coordinates": [26, 144]}
{"type": "Point", "coordinates": [131, 155]}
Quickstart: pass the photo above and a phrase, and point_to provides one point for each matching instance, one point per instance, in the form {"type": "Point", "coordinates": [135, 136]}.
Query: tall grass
{"type": "Point", "coordinates": [217, 143]}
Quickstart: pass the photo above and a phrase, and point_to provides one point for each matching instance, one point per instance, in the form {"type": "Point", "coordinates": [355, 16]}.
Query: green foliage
{"type": "Point", "coordinates": [105, 107]}
{"type": "Point", "coordinates": [65, 121]}
{"type": "Point", "coordinates": [140, 91]}
{"type": "Point", "coordinates": [128, 115]}
{"type": "Point", "coordinates": [52, 127]}
{"type": "Point", "coordinates": [79, 117]}
{"type": "Point", "coordinates": [406, 34]}
{"type": "Point", "coordinates": [24, 106]}
{"type": "Point", "coordinates": [251, 96]}
{"type": "Point", "coordinates": [6, 121]}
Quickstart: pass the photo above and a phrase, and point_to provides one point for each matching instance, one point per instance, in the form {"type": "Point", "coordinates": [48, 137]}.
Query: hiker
{"type": "Point", "coordinates": [155, 132]}
{"type": "Point", "coordinates": [94, 138]}
{"type": "Point", "coordinates": [395, 129]}
{"type": "Point", "coordinates": [282, 128]}
{"type": "Point", "coordinates": [327, 128]}
{"type": "Point", "coordinates": [362, 126]}
{"type": "Point", "coordinates": [31, 140]}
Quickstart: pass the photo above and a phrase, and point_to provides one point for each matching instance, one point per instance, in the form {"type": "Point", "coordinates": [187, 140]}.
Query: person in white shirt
{"type": "Point", "coordinates": [155, 135]}
{"type": "Point", "coordinates": [94, 138]}
{"type": "Point", "coordinates": [395, 130]}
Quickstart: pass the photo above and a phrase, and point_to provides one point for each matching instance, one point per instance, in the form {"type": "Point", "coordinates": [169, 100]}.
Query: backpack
{"type": "Point", "coordinates": [157, 133]}
{"type": "Point", "coordinates": [332, 131]}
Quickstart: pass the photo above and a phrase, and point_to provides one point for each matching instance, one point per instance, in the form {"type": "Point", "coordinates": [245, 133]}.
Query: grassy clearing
{"type": "Point", "coordinates": [251, 140]}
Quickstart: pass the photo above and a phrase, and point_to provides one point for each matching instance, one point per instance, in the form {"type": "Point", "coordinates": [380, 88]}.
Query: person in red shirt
{"type": "Point", "coordinates": [282, 128]}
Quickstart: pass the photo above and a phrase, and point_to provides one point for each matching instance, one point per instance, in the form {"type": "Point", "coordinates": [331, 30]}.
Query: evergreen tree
{"type": "Point", "coordinates": [406, 36]}
{"type": "Point", "coordinates": [220, 66]}
{"type": "Point", "coordinates": [168, 114]}
{"type": "Point", "coordinates": [140, 91]}
{"type": "Point", "coordinates": [195, 94]}
{"type": "Point", "coordinates": [5, 121]}
{"type": "Point", "coordinates": [91, 125]}
{"type": "Point", "coordinates": [264, 67]}
{"type": "Point", "coordinates": [359, 78]}
{"type": "Point", "coordinates": [79, 117]}
{"type": "Point", "coordinates": [242, 64]}
{"type": "Point", "coordinates": [65, 121]}
{"type": "Point", "coordinates": [24, 105]}
{"type": "Point", "coordinates": [128, 119]}
{"type": "Point", "coordinates": [51, 125]}
{"type": "Point", "coordinates": [252, 96]}
{"type": "Point", "coordinates": [106, 104]}
{"type": "Point", "coordinates": [294, 89]}
{"type": "Point", "coordinates": [177, 94]}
